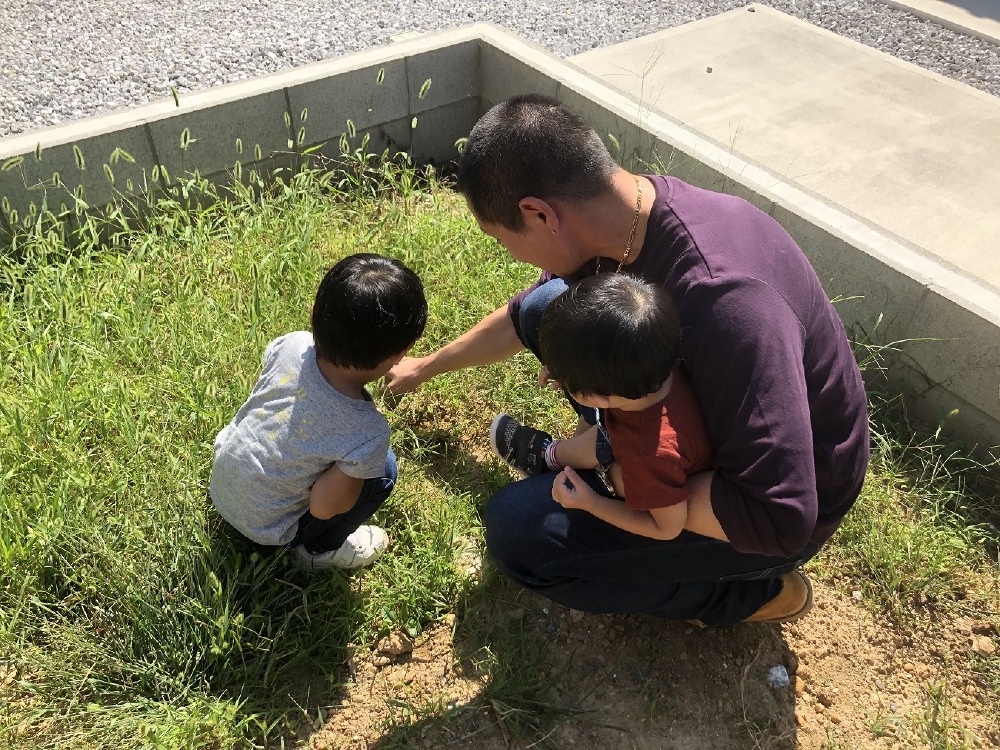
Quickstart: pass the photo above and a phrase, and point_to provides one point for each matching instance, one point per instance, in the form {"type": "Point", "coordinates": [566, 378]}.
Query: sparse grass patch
{"type": "Point", "coordinates": [922, 533]}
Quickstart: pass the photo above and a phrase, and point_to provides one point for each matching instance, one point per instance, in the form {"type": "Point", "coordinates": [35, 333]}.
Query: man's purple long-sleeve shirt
{"type": "Point", "coordinates": [769, 362]}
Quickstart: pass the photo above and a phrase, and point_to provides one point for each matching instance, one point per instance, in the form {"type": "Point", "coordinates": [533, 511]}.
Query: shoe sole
{"type": "Point", "coordinates": [804, 610]}
{"type": "Point", "coordinates": [312, 565]}
{"type": "Point", "coordinates": [494, 427]}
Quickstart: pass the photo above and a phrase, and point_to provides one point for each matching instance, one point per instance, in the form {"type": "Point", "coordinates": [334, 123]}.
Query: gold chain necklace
{"type": "Point", "coordinates": [631, 234]}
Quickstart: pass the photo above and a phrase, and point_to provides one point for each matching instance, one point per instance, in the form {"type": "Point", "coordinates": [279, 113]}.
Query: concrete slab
{"type": "Point", "coordinates": [127, 153]}
{"type": "Point", "coordinates": [437, 130]}
{"type": "Point", "coordinates": [453, 74]}
{"type": "Point", "coordinates": [945, 320]}
{"type": "Point", "coordinates": [366, 96]}
{"type": "Point", "coordinates": [194, 139]}
{"type": "Point", "coordinates": [503, 75]}
{"type": "Point", "coordinates": [905, 150]}
{"type": "Point", "coordinates": [869, 293]}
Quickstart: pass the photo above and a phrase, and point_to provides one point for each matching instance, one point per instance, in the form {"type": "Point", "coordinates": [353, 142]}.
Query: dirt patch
{"type": "Point", "coordinates": [638, 682]}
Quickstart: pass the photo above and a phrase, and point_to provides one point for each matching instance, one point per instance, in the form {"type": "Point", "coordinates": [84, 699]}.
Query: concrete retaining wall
{"type": "Point", "coordinates": [951, 360]}
{"type": "Point", "coordinates": [258, 123]}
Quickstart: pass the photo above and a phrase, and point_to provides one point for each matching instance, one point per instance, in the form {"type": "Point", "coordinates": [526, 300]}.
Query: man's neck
{"type": "Point", "coordinates": [604, 224]}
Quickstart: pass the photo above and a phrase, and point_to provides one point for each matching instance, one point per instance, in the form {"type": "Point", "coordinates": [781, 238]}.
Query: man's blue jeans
{"type": "Point", "coordinates": [582, 562]}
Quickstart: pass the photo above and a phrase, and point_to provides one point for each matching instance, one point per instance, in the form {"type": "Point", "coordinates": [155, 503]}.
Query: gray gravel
{"type": "Point", "coordinates": [65, 59]}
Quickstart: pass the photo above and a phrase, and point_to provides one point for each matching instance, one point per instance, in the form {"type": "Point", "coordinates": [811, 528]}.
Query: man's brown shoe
{"type": "Point", "coordinates": [792, 603]}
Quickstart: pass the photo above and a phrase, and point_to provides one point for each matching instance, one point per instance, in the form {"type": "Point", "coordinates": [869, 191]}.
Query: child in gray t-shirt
{"type": "Point", "coordinates": [306, 460]}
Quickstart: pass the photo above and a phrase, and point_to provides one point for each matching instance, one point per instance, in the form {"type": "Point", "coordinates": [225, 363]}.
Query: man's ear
{"type": "Point", "coordinates": [538, 214]}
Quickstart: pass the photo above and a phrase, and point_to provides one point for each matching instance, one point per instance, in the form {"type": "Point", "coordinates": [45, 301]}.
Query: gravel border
{"type": "Point", "coordinates": [66, 59]}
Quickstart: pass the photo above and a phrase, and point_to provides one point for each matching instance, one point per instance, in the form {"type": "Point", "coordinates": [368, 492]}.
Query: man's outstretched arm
{"type": "Point", "coordinates": [493, 339]}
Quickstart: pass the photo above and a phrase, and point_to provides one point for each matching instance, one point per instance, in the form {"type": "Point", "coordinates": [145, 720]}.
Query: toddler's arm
{"type": "Point", "coordinates": [657, 523]}
{"type": "Point", "coordinates": [334, 493]}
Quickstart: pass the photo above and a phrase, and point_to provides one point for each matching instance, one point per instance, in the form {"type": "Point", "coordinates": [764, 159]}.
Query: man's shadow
{"type": "Point", "coordinates": [558, 678]}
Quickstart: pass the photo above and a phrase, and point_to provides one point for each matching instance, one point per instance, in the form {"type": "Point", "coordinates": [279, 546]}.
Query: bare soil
{"type": "Point", "coordinates": [638, 682]}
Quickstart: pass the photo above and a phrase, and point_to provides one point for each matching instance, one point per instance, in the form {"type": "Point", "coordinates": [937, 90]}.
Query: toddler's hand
{"type": "Point", "coordinates": [569, 490]}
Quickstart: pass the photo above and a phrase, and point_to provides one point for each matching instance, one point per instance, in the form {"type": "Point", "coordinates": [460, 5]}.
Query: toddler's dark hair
{"type": "Point", "coordinates": [368, 308]}
{"type": "Point", "coordinates": [611, 335]}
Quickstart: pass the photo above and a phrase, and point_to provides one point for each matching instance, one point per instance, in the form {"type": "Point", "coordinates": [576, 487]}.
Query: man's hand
{"type": "Point", "coordinates": [405, 376]}
{"type": "Point", "coordinates": [572, 492]}
{"type": "Point", "coordinates": [492, 339]}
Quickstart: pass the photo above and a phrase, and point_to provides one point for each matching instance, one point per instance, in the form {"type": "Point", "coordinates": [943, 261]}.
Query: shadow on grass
{"type": "Point", "coordinates": [285, 633]}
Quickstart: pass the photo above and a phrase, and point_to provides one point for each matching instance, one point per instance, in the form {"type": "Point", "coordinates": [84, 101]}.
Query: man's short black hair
{"type": "Point", "coordinates": [611, 335]}
{"type": "Point", "coordinates": [368, 308]}
{"type": "Point", "coordinates": [530, 145]}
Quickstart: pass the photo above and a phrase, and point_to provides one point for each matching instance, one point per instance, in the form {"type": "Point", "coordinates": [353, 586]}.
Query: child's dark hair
{"type": "Point", "coordinates": [368, 308]}
{"type": "Point", "coordinates": [610, 335]}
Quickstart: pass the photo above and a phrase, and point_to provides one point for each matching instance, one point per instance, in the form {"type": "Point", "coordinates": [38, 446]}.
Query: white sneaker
{"type": "Point", "coordinates": [363, 547]}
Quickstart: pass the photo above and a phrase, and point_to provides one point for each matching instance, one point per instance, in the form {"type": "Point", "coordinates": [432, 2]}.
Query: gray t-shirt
{"type": "Point", "coordinates": [292, 428]}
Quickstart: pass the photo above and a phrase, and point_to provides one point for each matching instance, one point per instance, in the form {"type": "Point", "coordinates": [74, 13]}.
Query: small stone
{"type": "Point", "coordinates": [708, 69]}
{"type": "Point", "coordinates": [908, 667]}
{"type": "Point", "coordinates": [824, 698]}
{"type": "Point", "coordinates": [800, 687]}
{"type": "Point", "coordinates": [857, 595]}
{"type": "Point", "coordinates": [800, 719]}
{"type": "Point", "coordinates": [777, 677]}
{"type": "Point", "coordinates": [834, 718]}
{"type": "Point", "coordinates": [395, 644]}
{"type": "Point", "coordinates": [576, 615]}
{"type": "Point", "coordinates": [983, 645]}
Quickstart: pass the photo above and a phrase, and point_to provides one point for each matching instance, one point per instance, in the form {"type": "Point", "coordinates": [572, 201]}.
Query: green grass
{"type": "Point", "coordinates": [129, 617]}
